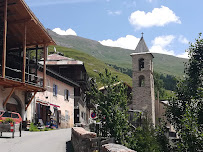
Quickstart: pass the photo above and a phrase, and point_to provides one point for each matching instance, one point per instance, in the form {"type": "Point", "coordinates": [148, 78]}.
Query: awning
{"type": "Point", "coordinates": [54, 105]}
{"type": "Point", "coordinates": [42, 102]}
{"type": "Point", "coordinates": [46, 103]}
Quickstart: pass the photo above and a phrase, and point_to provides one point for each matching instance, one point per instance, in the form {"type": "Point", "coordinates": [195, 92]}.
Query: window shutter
{"type": "Point", "coordinates": [68, 94]}
{"type": "Point", "coordinates": [56, 89]}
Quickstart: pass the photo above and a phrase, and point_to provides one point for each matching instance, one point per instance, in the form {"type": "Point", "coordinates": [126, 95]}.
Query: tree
{"type": "Point", "coordinates": [185, 111]}
{"type": "Point", "coordinates": [112, 113]}
{"type": "Point", "coordinates": [112, 110]}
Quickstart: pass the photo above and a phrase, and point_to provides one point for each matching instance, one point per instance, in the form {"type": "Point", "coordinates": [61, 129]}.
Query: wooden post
{"type": "Point", "coordinates": [4, 39]}
{"type": "Point", "coordinates": [24, 52]}
{"type": "Point", "coordinates": [44, 73]}
{"type": "Point", "coordinates": [30, 101]}
{"type": "Point", "coordinates": [13, 89]}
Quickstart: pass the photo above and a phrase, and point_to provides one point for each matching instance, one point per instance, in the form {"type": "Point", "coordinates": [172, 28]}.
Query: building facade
{"type": "Point", "coordinates": [20, 33]}
{"type": "Point", "coordinates": [143, 98]}
{"type": "Point", "coordinates": [55, 106]}
{"type": "Point", "coordinates": [73, 70]}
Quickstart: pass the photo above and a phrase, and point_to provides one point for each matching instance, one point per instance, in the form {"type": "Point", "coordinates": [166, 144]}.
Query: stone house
{"type": "Point", "coordinates": [55, 106]}
{"type": "Point", "coordinates": [73, 70]}
{"type": "Point", "coordinates": [20, 33]}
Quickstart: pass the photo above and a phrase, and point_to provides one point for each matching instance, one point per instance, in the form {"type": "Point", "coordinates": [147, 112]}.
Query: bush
{"type": "Point", "coordinates": [33, 127]}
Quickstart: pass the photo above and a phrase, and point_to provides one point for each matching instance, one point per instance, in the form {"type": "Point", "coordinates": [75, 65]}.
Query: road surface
{"type": "Point", "coordinates": [46, 141]}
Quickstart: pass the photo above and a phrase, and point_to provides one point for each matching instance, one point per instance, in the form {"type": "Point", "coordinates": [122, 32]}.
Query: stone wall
{"type": "Point", "coordinates": [115, 148]}
{"type": "Point", "coordinates": [81, 141]}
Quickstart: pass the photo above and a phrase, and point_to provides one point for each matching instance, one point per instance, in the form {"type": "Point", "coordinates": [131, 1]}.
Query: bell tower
{"type": "Point", "coordinates": [143, 81]}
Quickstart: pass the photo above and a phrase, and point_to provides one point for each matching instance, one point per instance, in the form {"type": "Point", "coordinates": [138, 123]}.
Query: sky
{"type": "Point", "coordinates": [168, 25]}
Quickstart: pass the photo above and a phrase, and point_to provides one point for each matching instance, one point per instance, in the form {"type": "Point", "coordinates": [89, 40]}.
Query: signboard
{"type": "Point", "coordinates": [93, 115]}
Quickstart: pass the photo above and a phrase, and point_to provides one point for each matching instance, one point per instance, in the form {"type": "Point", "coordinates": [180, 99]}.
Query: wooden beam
{"type": "Point", "coordinates": [13, 89]}
{"type": "Point", "coordinates": [30, 101]}
{"type": "Point", "coordinates": [20, 21]}
{"type": "Point", "coordinates": [44, 73]}
{"type": "Point", "coordinates": [4, 39]}
{"type": "Point", "coordinates": [24, 52]}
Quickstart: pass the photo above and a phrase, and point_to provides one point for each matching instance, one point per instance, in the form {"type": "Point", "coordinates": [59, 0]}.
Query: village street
{"type": "Point", "coordinates": [46, 141]}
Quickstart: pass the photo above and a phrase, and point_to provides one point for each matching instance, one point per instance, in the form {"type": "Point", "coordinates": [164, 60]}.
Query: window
{"type": "Point", "coordinates": [54, 90]}
{"type": "Point", "coordinates": [66, 115]}
{"type": "Point", "coordinates": [14, 115]}
{"type": "Point", "coordinates": [141, 81]}
{"type": "Point", "coordinates": [66, 94]}
{"type": "Point", "coordinates": [141, 64]}
{"type": "Point", "coordinates": [41, 82]}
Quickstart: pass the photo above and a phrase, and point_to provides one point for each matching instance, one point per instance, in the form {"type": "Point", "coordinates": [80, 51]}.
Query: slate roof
{"type": "Point", "coordinates": [55, 59]}
{"type": "Point", "coordinates": [141, 47]}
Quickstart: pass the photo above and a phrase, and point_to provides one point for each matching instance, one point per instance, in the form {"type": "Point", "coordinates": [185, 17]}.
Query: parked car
{"type": "Point", "coordinates": [15, 116]}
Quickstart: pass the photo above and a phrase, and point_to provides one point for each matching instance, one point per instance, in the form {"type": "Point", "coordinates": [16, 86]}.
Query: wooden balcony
{"type": "Point", "coordinates": [13, 79]}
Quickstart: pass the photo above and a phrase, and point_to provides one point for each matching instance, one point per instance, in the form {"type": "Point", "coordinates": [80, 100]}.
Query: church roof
{"type": "Point", "coordinates": [141, 47]}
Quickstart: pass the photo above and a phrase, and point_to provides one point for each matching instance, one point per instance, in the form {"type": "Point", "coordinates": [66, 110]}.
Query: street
{"type": "Point", "coordinates": [46, 141]}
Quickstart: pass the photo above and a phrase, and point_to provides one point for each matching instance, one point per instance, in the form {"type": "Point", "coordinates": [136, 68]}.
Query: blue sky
{"type": "Point", "coordinates": [168, 25]}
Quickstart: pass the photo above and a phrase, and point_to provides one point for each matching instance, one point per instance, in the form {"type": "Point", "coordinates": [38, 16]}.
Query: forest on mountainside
{"type": "Point", "coordinates": [164, 83]}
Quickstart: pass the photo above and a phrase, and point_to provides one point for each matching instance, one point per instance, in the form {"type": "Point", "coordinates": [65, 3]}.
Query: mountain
{"type": "Point", "coordinates": [165, 64]}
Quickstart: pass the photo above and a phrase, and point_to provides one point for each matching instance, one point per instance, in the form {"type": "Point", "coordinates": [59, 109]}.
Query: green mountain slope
{"type": "Point", "coordinates": [165, 64]}
{"type": "Point", "coordinates": [92, 64]}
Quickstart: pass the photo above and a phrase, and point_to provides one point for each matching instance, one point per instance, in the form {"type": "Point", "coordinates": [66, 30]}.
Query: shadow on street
{"type": "Point", "coordinates": [69, 147]}
{"type": "Point", "coordinates": [6, 137]}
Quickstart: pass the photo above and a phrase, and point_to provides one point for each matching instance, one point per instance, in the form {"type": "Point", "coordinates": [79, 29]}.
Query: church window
{"type": "Point", "coordinates": [141, 81]}
{"type": "Point", "coordinates": [141, 64]}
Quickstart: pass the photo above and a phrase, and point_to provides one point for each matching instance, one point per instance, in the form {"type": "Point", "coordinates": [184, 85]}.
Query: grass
{"type": "Point", "coordinates": [33, 128]}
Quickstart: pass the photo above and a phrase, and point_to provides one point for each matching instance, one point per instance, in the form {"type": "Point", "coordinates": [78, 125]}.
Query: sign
{"type": "Point", "coordinates": [93, 115]}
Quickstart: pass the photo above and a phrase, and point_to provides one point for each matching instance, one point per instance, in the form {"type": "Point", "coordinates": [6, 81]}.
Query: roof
{"type": "Point", "coordinates": [55, 59]}
{"type": "Point", "coordinates": [141, 47]}
{"type": "Point", "coordinates": [104, 87]}
{"type": "Point", "coordinates": [18, 15]}
{"type": "Point", "coordinates": [142, 53]}
{"type": "Point", "coordinates": [165, 102]}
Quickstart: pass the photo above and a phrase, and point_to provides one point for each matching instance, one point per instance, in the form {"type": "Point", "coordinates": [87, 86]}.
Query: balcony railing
{"type": "Point", "coordinates": [16, 75]}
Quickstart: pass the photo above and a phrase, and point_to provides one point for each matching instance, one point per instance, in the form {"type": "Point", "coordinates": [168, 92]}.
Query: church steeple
{"type": "Point", "coordinates": [141, 47]}
{"type": "Point", "coordinates": [143, 81]}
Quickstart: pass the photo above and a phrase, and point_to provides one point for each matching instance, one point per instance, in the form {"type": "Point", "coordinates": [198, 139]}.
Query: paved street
{"type": "Point", "coordinates": [46, 141]}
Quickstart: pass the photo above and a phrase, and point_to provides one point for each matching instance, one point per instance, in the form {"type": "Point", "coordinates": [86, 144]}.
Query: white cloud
{"type": "Point", "coordinates": [67, 32]}
{"type": "Point", "coordinates": [114, 12]}
{"type": "Point", "coordinates": [158, 17]}
{"type": "Point", "coordinates": [183, 55]}
{"type": "Point", "coordinates": [183, 40]}
{"type": "Point", "coordinates": [161, 43]}
{"type": "Point", "coordinates": [128, 42]}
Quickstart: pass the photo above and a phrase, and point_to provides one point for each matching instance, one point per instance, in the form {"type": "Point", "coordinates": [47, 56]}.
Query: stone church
{"type": "Point", "coordinates": [143, 98]}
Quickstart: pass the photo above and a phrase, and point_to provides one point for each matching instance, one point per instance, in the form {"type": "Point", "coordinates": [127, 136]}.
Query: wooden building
{"type": "Point", "coordinates": [22, 36]}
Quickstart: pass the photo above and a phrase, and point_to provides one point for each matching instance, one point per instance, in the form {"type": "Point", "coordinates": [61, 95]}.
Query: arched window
{"type": "Point", "coordinates": [141, 64]}
{"type": "Point", "coordinates": [141, 81]}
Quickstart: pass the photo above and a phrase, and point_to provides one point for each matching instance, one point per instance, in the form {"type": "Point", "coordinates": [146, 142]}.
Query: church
{"type": "Point", "coordinates": [143, 98]}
